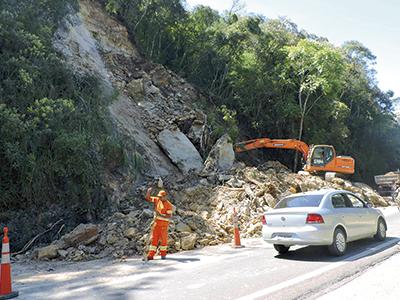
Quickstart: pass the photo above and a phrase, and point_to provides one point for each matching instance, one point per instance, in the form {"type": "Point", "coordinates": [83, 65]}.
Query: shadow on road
{"type": "Point", "coordinates": [101, 279]}
{"type": "Point", "coordinates": [320, 253]}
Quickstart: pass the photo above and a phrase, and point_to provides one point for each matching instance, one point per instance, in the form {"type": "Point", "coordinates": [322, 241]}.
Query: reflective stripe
{"type": "Point", "coordinates": [161, 215]}
{"type": "Point", "coordinates": [5, 248]}
{"type": "Point", "coordinates": [162, 219]}
{"type": "Point", "coordinates": [169, 212]}
{"type": "Point", "coordinates": [163, 248]}
{"type": "Point", "coordinates": [5, 259]}
{"type": "Point", "coordinates": [153, 248]}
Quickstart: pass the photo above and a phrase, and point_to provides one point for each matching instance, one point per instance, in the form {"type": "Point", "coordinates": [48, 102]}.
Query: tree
{"type": "Point", "coordinates": [315, 69]}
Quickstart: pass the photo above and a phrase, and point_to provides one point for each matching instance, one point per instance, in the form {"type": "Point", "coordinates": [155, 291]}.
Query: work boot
{"type": "Point", "coordinates": [163, 257]}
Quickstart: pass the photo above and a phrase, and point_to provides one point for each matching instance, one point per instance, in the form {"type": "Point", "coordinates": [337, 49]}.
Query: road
{"type": "Point", "coordinates": [219, 272]}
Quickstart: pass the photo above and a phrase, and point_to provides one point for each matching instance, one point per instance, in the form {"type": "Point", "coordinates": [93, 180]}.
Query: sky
{"type": "Point", "coordinates": [373, 23]}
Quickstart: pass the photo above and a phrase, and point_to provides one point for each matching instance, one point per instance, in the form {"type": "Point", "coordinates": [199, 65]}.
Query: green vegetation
{"type": "Point", "coordinates": [281, 82]}
{"type": "Point", "coordinates": [54, 137]}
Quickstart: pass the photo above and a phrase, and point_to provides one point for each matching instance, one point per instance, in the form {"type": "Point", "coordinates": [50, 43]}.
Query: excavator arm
{"type": "Point", "coordinates": [297, 145]}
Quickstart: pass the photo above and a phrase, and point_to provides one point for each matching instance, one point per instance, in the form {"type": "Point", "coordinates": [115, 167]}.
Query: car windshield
{"type": "Point", "coordinates": [300, 201]}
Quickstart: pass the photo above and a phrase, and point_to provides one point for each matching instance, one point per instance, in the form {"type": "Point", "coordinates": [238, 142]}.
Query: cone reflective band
{"type": "Point", "coordinates": [5, 273]}
{"type": "Point", "coordinates": [5, 253]}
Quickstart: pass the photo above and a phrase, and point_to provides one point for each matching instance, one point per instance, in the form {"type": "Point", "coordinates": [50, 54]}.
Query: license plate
{"type": "Point", "coordinates": [283, 235]}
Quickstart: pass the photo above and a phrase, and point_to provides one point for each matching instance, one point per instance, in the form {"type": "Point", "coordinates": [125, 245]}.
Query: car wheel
{"type": "Point", "coordinates": [281, 248]}
{"type": "Point", "coordinates": [381, 230]}
{"type": "Point", "coordinates": [339, 245]}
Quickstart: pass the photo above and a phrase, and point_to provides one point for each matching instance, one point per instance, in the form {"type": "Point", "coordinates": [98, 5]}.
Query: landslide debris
{"type": "Point", "coordinates": [204, 212]}
{"type": "Point", "coordinates": [155, 110]}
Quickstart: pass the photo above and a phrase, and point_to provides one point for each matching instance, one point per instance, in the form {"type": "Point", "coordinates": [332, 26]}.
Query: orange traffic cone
{"type": "Point", "coordinates": [236, 243]}
{"type": "Point", "coordinates": [5, 274]}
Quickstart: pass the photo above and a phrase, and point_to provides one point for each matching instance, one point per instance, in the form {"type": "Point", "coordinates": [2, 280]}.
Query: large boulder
{"type": "Point", "coordinates": [188, 241]}
{"type": "Point", "coordinates": [135, 89]}
{"type": "Point", "coordinates": [83, 234]}
{"type": "Point", "coordinates": [221, 157]}
{"type": "Point", "coordinates": [47, 252]}
{"type": "Point", "coordinates": [180, 150]}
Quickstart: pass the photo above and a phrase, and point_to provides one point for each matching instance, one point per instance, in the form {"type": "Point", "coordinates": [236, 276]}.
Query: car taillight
{"type": "Point", "coordinates": [314, 219]}
{"type": "Point", "coordinates": [263, 220]}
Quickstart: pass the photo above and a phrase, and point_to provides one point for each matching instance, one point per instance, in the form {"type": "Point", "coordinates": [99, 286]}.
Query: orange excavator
{"type": "Point", "coordinates": [317, 158]}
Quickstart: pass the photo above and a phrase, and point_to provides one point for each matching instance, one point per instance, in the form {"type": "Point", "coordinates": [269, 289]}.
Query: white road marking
{"type": "Point", "coordinates": [296, 280]}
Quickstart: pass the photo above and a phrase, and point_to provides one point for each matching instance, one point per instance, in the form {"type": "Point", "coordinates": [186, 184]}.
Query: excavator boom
{"type": "Point", "coordinates": [297, 145]}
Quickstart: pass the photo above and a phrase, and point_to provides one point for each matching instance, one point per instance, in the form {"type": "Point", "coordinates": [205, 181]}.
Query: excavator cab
{"type": "Point", "coordinates": [321, 155]}
{"type": "Point", "coordinates": [322, 158]}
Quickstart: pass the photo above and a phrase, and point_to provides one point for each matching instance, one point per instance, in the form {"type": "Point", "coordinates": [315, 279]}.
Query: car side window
{"type": "Point", "coordinates": [338, 201]}
{"type": "Point", "coordinates": [355, 201]}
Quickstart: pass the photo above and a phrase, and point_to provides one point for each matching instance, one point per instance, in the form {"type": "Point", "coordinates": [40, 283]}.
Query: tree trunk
{"type": "Point", "coordinates": [299, 137]}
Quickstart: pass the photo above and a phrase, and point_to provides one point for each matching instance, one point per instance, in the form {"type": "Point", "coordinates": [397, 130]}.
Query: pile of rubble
{"type": "Point", "coordinates": [203, 216]}
{"type": "Point", "coordinates": [155, 110]}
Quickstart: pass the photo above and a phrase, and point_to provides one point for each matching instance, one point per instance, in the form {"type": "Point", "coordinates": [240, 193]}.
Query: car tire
{"type": "Point", "coordinates": [339, 244]}
{"type": "Point", "coordinates": [282, 249]}
{"type": "Point", "coordinates": [381, 230]}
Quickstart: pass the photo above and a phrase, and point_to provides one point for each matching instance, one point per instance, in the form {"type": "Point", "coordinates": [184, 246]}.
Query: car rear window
{"type": "Point", "coordinates": [300, 201]}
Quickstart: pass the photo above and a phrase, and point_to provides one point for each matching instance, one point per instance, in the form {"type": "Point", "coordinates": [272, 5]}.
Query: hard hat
{"type": "Point", "coordinates": [162, 193]}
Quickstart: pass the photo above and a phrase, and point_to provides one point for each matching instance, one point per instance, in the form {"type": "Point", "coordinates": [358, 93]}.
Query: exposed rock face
{"type": "Point", "coordinates": [150, 97]}
{"type": "Point", "coordinates": [129, 122]}
{"type": "Point", "coordinates": [78, 47]}
{"type": "Point", "coordinates": [221, 157]}
{"type": "Point", "coordinates": [180, 150]}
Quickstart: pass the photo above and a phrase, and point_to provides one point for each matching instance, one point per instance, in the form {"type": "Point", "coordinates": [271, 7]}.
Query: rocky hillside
{"type": "Point", "coordinates": [156, 112]}
{"type": "Point", "coordinates": [152, 105]}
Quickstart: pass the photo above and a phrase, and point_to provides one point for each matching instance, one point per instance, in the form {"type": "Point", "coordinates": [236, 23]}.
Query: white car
{"type": "Point", "coordinates": [325, 217]}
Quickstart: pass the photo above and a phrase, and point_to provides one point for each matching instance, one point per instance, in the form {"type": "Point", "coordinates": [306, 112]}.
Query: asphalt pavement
{"type": "Point", "coordinates": [378, 282]}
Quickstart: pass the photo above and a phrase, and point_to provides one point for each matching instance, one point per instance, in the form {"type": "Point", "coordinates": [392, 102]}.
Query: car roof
{"type": "Point", "coordinates": [319, 192]}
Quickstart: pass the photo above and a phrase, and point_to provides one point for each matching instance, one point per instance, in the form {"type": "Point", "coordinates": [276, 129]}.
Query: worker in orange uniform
{"type": "Point", "coordinates": [162, 215]}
